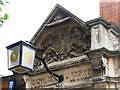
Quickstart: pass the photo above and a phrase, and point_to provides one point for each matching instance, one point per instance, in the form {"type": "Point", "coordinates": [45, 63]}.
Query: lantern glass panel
{"type": "Point", "coordinates": [13, 56]}
{"type": "Point", "coordinates": [28, 55]}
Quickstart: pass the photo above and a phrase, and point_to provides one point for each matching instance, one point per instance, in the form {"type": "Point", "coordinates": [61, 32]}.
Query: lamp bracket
{"type": "Point", "coordinates": [60, 78]}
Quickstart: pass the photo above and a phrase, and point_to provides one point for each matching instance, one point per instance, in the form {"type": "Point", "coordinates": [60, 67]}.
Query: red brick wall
{"type": "Point", "coordinates": [5, 85]}
{"type": "Point", "coordinates": [110, 11]}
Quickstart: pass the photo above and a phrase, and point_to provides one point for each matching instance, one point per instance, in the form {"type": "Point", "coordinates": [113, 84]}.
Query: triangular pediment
{"type": "Point", "coordinates": [61, 36]}
{"type": "Point", "coordinates": [57, 15]}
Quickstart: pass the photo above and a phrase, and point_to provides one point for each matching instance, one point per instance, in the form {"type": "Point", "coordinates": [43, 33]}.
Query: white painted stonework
{"type": "Point", "coordinates": [102, 37]}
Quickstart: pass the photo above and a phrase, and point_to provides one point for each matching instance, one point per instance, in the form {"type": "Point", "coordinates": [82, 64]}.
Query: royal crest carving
{"type": "Point", "coordinates": [64, 43]}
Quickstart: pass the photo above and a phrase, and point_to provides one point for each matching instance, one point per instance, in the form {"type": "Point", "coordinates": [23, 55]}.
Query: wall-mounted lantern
{"type": "Point", "coordinates": [21, 59]}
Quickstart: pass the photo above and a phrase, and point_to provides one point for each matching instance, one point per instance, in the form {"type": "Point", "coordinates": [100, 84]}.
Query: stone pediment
{"type": "Point", "coordinates": [62, 36]}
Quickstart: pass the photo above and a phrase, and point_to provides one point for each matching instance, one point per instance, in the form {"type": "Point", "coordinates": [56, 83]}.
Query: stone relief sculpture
{"type": "Point", "coordinates": [113, 39]}
{"type": "Point", "coordinates": [64, 44]}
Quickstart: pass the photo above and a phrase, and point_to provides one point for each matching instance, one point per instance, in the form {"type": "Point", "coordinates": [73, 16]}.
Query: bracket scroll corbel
{"type": "Point", "coordinates": [98, 60]}
{"type": "Point", "coordinates": [25, 77]}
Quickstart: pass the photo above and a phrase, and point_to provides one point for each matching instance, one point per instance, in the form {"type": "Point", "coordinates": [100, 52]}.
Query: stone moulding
{"type": "Point", "coordinates": [63, 64]}
{"type": "Point", "coordinates": [80, 85]}
{"type": "Point", "coordinates": [104, 51]}
{"type": "Point", "coordinates": [75, 61]}
{"type": "Point", "coordinates": [57, 22]}
{"type": "Point", "coordinates": [98, 56]}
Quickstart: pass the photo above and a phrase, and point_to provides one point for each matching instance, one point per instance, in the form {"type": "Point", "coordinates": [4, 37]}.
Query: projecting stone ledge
{"type": "Point", "coordinates": [63, 64]}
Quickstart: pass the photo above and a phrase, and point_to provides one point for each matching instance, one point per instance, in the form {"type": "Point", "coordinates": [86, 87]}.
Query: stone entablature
{"type": "Point", "coordinates": [77, 70]}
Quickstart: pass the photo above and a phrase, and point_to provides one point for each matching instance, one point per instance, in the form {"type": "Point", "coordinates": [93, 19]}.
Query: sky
{"type": "Point", "coordinates": [26, 16]}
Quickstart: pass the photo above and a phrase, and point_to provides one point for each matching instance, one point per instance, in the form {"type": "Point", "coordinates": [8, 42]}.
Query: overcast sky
{"type": "Point", "coordinates": [26, 16]}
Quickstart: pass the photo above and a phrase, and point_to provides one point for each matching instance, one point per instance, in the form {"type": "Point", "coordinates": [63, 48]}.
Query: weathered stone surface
{"type": "Point", "coordinates": [87, 54]}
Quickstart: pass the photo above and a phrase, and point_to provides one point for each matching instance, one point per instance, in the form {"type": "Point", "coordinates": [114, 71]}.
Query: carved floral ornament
{"type": "Point", "coordinates": [65, 43]}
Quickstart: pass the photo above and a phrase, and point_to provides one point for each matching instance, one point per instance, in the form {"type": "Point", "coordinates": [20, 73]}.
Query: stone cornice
{"type": "Point", "coordinates": [79, 85]}
{"type": "Point", "coordinates": [103, 50]}
{"type": "Point", "coordinates": [62, 64]}
{"type": "Point", "coordinates": [57, 22]}
{"type": "Point", "coordinates": [105, 23]}
{"type": "Point", "coordinates": [105, 79]}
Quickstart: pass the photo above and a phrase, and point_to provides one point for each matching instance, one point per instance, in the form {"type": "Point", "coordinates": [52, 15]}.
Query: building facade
{"type": "Point", "coordinates": [87, 54]}
{"type": "Point", "coordinates": [110, 10]}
